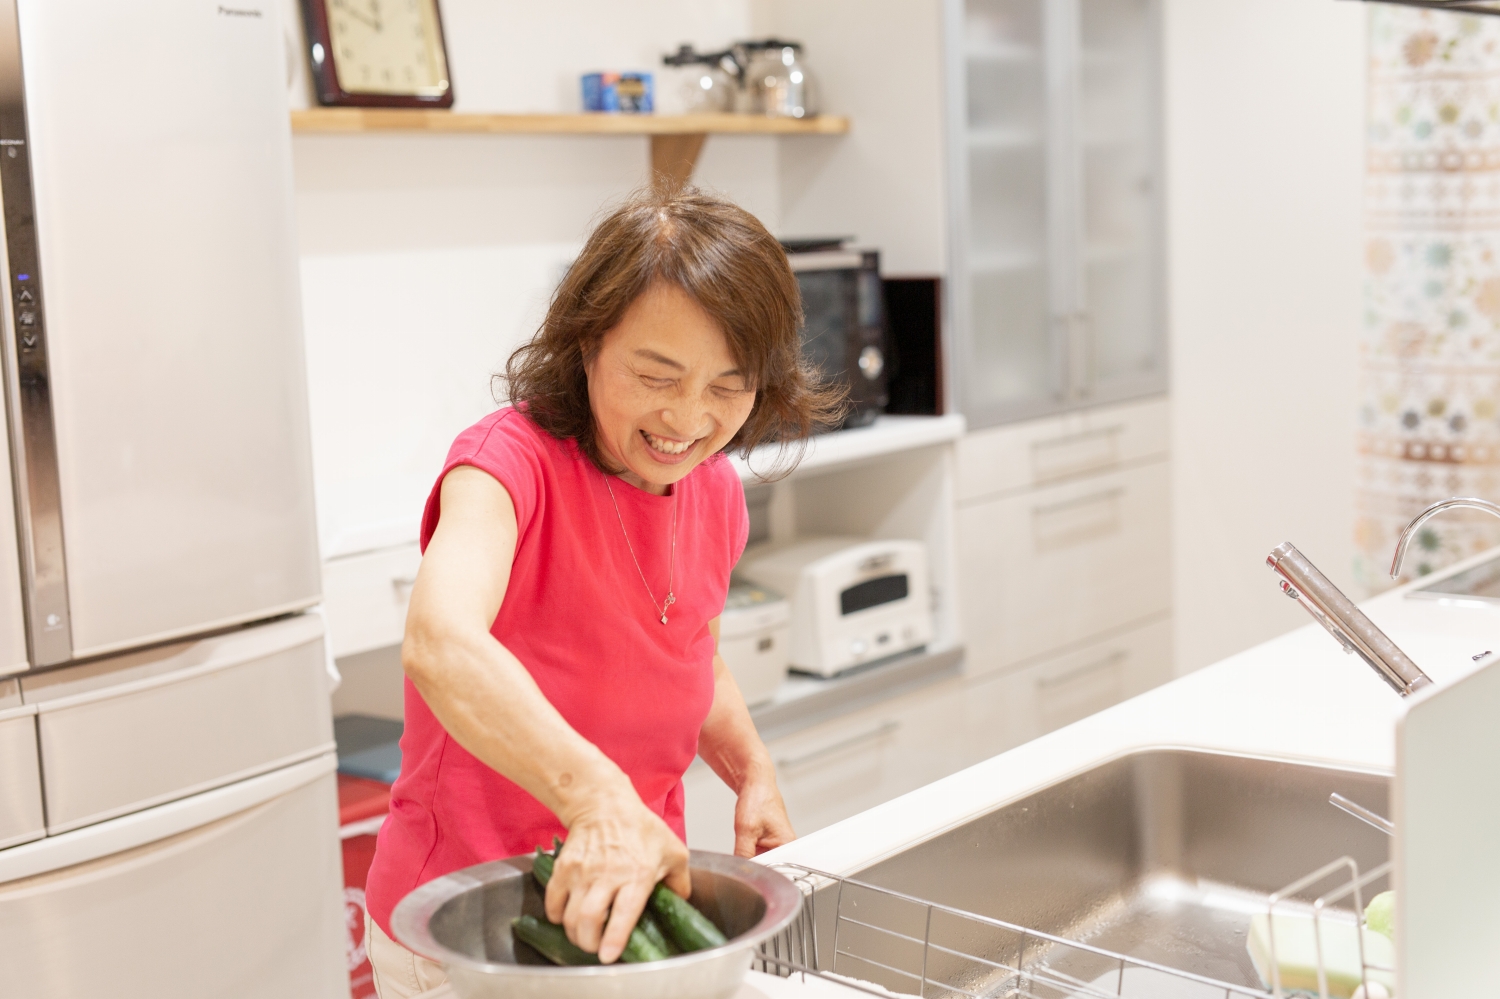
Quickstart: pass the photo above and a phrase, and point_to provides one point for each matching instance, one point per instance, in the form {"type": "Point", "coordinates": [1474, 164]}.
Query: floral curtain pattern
{"type": "Point", "coordinates": [1429, 352]}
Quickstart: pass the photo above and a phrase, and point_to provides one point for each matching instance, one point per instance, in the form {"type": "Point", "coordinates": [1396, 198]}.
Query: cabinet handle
{"type": "Point", "coordinates": [880, 731]}
{"type": "Point", "coordinates": [1048, 682]}
{"type": "Point", "coordinates": [1101, 496]}
{"type": "Point", "coordinates": [400, 583]}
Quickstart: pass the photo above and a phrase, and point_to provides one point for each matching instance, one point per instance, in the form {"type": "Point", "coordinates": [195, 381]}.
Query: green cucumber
{"type": "Point", "coordinates": [650, 926]}
{"type": "Point", "coordinates": [551, 941]}
{"type": "Point", "coordinates": [688, 927]}
{"type": "Point", "coordinates": [640, 948]}
{"type": "Point", "coordinates": [541, 867]}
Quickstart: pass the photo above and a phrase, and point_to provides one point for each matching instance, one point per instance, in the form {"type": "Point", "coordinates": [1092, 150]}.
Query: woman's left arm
{"type": "Point", "coordinates": [730, 745]}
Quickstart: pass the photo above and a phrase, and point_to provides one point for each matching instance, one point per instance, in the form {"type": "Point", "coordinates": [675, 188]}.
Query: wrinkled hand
{"type": "Point", "coordinates": [615, 855]}
{"type": "Point", "coordinates": [760, 820]}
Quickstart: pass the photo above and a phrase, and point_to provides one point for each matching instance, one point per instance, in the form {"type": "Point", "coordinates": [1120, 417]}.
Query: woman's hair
{"type": "Point", "coordinates": [725, 259]}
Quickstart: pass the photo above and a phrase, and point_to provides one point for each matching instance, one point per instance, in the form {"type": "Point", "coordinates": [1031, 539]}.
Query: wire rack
{"type": "Point", "coordinates": [878, 941]}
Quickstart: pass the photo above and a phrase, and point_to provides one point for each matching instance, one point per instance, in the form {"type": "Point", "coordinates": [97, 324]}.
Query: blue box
{"type": "Point", "coordinates": [625, 93]}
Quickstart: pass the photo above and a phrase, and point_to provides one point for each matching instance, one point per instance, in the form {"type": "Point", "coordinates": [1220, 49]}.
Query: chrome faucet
{"type": "Point", "coordinates": [1456, 503]}
{"type": "Point", "coordinates": [1302, 581]}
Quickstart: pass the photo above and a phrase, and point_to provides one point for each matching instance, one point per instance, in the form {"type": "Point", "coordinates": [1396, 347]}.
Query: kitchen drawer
{"type": "Point", "coordinates": [365, 598]}
{"type": "Point", "coordinates": [119, 736]}
{"type": "Point", "coordinates": [1038, 452]}
{"type": "Point", "coordinates": [1006, 709]}
{"type": "Point", "coordinates": [247, 906]}
{"type": "Point", "coordinates": [1048, 568]}
{"type": "Point", "coordinates": [842, 767]}
{"type": "Point", "coordinates": [21, 818]}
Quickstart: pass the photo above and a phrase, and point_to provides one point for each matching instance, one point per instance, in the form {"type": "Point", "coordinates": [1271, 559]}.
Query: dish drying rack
{"type": "Point", "coordinates": [883, 942]}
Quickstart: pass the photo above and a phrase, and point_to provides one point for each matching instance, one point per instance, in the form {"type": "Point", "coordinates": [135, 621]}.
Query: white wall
{"type": "Point", "coordinates": [879, 62]}
{"type": "Point", "coordinates": [1265, 113]}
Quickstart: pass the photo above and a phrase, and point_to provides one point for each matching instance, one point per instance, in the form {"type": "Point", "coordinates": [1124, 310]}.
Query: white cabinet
{"type": "Point", "coordinates": [1054, 198]}
{"type": "Point", "coordinates": [842, 767]}
{"type": "Point", "coordinates": [1005, 709]}
{"type": "Point", "coordinates": [365, 598]}
{"type": "Point", "coordinates": [1053, 566]}
{"type": "Point", "coordinates": [1062, 531]}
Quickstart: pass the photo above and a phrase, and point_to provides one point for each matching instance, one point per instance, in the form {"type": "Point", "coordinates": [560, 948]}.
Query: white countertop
{"type": "Point", "coordinates": [1297, 697]}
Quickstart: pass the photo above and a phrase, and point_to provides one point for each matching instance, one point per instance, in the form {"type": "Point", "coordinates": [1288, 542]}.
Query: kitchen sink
{"type": "Point", "coordinates": [1161, 855]}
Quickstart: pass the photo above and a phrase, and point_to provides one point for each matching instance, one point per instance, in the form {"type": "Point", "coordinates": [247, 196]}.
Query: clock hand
{"type": "Point", "coordinates": [372, 22]}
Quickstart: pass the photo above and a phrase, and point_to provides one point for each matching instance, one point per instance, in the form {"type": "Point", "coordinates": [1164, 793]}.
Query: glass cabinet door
{"type": "Point", "coordinates": [1117, 145]}
{"type": "Point", "coordinates": [1002, 288]}
{"type": "Point", "coordinates": [1056, 286]}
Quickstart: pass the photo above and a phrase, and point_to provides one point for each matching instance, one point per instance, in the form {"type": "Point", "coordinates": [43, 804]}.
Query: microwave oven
{"type": "Point", "coordinates": [844, 333]}
{"type": "Point", "coordinates": [852, 600]}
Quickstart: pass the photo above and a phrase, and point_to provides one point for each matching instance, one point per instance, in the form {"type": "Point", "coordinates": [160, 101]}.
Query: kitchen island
{"type": "Point", "coordinates": [1298, 698]}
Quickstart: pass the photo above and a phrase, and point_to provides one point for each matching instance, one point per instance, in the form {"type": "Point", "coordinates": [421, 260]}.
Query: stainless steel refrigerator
{"type": "Point", "coordinates": [168, 815]}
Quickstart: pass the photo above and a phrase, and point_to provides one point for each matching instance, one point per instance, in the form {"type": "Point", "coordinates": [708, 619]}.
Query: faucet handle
{"type": "Point", "coordinates": [1328, 605]}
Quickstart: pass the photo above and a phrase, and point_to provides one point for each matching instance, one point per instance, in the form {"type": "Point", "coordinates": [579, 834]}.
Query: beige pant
{"type": "Point", "coordinates": [400, 974]}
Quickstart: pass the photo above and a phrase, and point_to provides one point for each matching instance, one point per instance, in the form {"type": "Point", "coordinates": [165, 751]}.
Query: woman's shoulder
{"type": "Point", "coordinates": [505, 432]}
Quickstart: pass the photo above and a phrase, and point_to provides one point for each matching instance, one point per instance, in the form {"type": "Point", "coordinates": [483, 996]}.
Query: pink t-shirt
{"type": "Point", "coordinates": [578, 616]}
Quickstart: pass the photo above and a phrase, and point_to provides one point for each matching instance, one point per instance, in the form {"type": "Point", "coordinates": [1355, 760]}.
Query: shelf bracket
{"type": "Point", "coordinates": [673, 158]}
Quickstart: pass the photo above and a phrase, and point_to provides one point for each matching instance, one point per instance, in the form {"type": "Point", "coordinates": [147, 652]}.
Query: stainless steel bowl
{"type": "Point", "coordinates": [462, 920]}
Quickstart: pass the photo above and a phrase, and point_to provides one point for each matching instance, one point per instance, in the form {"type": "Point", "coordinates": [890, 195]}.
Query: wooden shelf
{"type": "Point", "coordinates": [345, 120]}
{"type": "Point", "coordinates": [676, 139]}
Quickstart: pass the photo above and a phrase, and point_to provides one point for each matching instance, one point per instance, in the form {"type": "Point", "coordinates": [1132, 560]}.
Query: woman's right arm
{"type": "Point", "coordinates": [618, 849]}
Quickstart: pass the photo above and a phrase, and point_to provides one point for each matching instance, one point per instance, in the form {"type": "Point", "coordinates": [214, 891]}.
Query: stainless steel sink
{"type": "Point", "coordinates": [1162, 856]}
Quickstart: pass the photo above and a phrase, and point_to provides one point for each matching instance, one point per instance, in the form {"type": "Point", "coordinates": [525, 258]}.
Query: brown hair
{"type": "Point", "coordinates": [725, 259]}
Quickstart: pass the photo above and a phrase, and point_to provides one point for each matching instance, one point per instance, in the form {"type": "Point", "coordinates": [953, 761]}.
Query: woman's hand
{"type": "Point", "coordinates": [760, 820]}
{"type": "Point", "coordinates": [617, 850]}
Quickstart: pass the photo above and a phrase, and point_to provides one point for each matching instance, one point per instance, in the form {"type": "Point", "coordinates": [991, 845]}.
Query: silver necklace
{"type": "Point", "coordinates": [661, 608]}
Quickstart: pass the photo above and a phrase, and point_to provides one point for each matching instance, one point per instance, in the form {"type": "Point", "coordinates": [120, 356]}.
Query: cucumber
{"type": "Point", "coordinates": [688, 927]}
{"type": "Point", "coordinates": [650, 926]}
{"type": "Point", "coordinates": [551, 941]}
{"type": "Point", "coordinates": [642, 945]}
{"type": "Point", "coordinates": [541, 866]}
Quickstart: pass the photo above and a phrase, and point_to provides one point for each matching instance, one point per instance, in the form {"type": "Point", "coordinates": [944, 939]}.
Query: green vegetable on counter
{"type": "Point", "coordinates": [551, 941]}
{"type": "Point", "coordinates": [1380, 914]}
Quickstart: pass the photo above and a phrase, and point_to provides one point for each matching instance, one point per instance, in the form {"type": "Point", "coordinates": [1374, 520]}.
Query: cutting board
{"type": "Point", "coordinates": [1447, 844]}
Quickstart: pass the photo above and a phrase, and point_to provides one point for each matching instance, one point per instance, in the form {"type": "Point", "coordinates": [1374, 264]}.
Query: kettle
{"type": "Point", "coordinates": [776, 82]}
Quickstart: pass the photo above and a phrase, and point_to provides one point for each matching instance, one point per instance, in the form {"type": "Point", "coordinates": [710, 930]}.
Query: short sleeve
{"type": "Point", "coordinates": [504, 447]}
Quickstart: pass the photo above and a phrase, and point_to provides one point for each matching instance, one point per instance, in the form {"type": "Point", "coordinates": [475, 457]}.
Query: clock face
{"type": "Point", "coordinates": [387, 46]}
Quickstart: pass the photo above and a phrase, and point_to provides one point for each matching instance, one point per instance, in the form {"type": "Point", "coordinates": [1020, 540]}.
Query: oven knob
{"type": "Point", "coordinates": [871, 362]}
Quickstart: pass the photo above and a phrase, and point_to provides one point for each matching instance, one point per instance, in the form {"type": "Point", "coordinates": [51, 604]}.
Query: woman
{"type": "Point", "coordinates": [561, 644]}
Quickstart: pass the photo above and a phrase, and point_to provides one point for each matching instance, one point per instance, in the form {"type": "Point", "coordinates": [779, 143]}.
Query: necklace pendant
{"type": "Point", "coordinates": [671, 599]}
{"type": "Point", "coordinates": [664, 617]}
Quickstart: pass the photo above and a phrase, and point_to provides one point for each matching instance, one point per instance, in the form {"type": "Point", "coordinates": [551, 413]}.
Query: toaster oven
{"type": "Point", "coordinates": [844, 333]}
{"type": "Point", "coordinates": [853, 601]}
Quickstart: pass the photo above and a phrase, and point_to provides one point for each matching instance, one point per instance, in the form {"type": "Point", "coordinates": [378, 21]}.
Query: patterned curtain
{"type": "Point", "coordinates": [1429, 355]}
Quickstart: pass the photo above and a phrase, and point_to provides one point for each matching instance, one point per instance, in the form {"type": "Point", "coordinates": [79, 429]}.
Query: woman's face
{"type": "Point", "coordinates": [665, 390]}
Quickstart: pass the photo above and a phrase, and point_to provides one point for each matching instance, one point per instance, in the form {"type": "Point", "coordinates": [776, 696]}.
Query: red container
{"type": "Point", "coordinates": [362, 807]}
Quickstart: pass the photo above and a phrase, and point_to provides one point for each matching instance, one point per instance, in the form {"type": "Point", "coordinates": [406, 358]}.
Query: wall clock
{"type": "Point", "coordinates": [378, 53]}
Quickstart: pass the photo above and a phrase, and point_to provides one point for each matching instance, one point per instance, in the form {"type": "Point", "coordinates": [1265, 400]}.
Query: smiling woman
{"type": "Point", "coordinates": [561, 643]}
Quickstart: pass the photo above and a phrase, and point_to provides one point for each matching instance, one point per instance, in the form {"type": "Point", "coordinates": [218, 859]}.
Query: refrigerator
{"type": "Point", "coordinates": [168, 814]}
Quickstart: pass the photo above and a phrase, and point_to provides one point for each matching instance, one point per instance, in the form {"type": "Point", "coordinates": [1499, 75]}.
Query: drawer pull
{"type": "Point", "coordinates": [1082, 518]}
{"type": "Point", "coordinates": [404, 583]}
{"type": "Point", "coordinates": [880, 731]}
{"type": "Point", "coordinates": [1075, 454]}
{"type": "Point", "coordinates": [1077, 673]}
